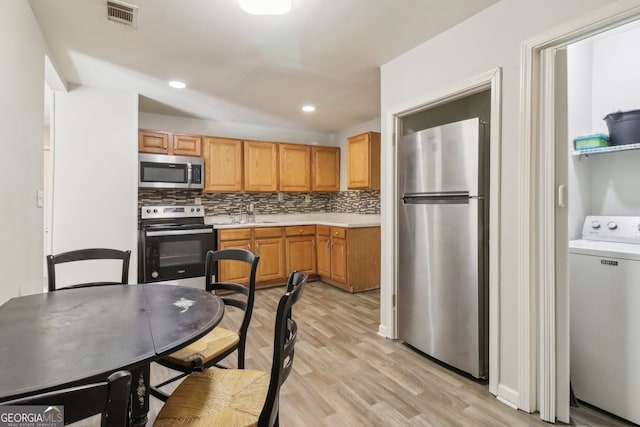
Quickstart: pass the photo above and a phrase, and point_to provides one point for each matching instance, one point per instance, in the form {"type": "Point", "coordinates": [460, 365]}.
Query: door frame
{"type": "Point", "coordinates": [537, 303]}
{"type": "Point", "coordinates": [490, 80]}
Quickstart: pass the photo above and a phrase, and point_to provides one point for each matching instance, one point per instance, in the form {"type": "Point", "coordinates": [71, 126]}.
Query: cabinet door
{"type": "Point", "coordinates": [339, 260]}
{"type": "Point", "coordinates": [301, 254]}
{"type": "Point", "coordinates": [234, 271]}
{"type": "Point", "coordinates": [153, 142]}
{"type": "Point", "coordinates": [324, 255]}
{"type": "Point", "coordinates": [187, 145]}
{"type": "Point", "coordinates": [260, 166]}
{"type": "Point", "coordinates": [363, 161]}
{"type": "Point", "coordinates": [325, 169]}
{"type": "Point", "coordinates": [295, 167]}
{"type": "Point", "coordinates": [223, 164]}
{"type": "Point", "coordinates": [271, 265]}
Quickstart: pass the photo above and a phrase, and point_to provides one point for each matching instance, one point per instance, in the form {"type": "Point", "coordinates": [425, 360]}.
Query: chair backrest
{"type": "Point", "coordinates": [286, 332]}
{"type": "Point", "coordinates": [233, 298]}
{"type": "Point", "coordinates": [109, 398]}
{"type": "Point", "coordinates": [86, 255]}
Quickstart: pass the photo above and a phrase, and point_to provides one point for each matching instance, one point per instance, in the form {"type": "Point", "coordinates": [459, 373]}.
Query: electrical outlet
{"type": "Point", "coordinates": [280, 197]}
{"type": "Point", "coordinates": [307, 198]}
{"type": "Point", "coordinates": [198, 200]}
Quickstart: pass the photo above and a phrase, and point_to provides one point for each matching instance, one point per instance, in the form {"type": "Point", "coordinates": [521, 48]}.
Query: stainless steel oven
{"type": "Point", "coordinates": [174, 243]}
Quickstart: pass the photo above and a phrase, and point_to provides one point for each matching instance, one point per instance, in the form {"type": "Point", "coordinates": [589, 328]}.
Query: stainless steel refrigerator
{"type": "Point", "coordinates": [442, 299]}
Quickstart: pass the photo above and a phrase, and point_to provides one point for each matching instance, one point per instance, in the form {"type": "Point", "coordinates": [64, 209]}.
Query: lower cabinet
{"type": "Point", "coordinates": [300, 253]}
{"type": "Point", "coordinates": [349, 258]}
{"type": "Point", "coordinates": [268, 242]}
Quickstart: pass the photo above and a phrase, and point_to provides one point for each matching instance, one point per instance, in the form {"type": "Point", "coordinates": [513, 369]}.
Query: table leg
{"type": "Point", "coordinates": [140, 387]}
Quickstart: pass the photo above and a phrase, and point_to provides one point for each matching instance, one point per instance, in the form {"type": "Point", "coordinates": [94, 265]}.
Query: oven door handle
{"type": "Point", "coordinates": [179, 232]}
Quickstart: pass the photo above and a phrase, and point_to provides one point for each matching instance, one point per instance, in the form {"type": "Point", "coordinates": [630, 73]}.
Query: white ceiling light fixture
{"type": "Point", "coordinates": [265, 7]}
{"type": "Point", "coordinates": [176, 84]}
{"type": "Point", "coordinates": [308, 108]}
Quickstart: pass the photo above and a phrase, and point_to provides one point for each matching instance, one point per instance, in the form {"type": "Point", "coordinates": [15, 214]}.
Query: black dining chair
{"type": "Point", "coordinates": [239, 397]}
{"type": "Point", "coordinates": [87, 255]}
{"type": "Point", "coordinates": [220, 342]}
{"type": "Point", "coordinates": [109, 398]}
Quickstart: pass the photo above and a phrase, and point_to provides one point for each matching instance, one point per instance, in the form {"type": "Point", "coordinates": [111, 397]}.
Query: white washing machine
{"type": "Point", "coordinates": [605, 314]}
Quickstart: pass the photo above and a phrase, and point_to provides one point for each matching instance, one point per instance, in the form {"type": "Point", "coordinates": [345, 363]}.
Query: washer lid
{"type": "Point", "coordinates": [628, 251]}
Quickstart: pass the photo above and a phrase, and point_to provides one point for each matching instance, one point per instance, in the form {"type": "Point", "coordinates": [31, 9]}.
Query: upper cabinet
{"type": "Point", "coordinates": [260, 166]}
{"type": "Point", "coordinates": [325, 168]}
{"type": "Point", "coordinates": [363, 161]}
{"type": "Point", "coordinates": [150, 141]}
{"type": "Point", "coordinates": [295, 167]}
{"type": "Point", "coordinates": [223, 164]}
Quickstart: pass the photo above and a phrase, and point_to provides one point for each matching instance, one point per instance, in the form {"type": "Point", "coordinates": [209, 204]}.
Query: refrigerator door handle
{"type": "Point", "coordinates": [461, 197]}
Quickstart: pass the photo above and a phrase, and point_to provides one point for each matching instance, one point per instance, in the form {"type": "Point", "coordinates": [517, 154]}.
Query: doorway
{"type": "Point", "coordinates": [543, 192]}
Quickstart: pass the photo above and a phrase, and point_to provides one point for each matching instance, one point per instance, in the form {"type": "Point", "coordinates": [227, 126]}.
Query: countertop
{"type": "Point", "coordinates": [348, 220]}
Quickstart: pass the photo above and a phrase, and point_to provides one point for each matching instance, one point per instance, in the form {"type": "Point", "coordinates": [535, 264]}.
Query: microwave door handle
{"type": "Point", "coordinates": [189, 174]}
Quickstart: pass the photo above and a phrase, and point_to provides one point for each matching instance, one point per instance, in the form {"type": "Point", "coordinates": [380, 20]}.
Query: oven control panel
{"type": "Point", "coordinates": [173, 211]}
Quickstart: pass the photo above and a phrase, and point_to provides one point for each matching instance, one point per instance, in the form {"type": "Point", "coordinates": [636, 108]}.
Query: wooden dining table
{"type": "Point", "coordinates": [70, 337]}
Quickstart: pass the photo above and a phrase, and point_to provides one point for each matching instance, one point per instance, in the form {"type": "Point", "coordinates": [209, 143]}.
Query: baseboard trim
{"type": "Point", "coordinates": [508, 396]}
{"type": "Point", "coordinates": [382, 331]}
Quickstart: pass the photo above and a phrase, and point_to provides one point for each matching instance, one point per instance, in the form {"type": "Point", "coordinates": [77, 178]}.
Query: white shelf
{"type": "Point", "coordinates": [602, 150]}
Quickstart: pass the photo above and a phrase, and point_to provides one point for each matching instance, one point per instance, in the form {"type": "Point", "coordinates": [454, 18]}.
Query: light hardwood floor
{"type": "Point", "coordinates": [346, 375]}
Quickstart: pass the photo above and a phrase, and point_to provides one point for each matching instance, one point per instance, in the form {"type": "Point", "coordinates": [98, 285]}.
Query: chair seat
{"type": "Point", "coordinates": [216, 397]}
{"type": "Point", "coordinates": [206, 348]}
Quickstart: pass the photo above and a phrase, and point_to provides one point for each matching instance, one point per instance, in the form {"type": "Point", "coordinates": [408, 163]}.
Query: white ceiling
{"type": "Point", "coordinates": [243, 68]}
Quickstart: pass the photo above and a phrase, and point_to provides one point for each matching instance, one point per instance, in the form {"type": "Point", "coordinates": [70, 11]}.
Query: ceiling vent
{"type": "Point", "coordinates": [123, 13]}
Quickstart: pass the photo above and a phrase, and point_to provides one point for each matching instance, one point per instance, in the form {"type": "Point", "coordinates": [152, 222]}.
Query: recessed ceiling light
{"type": "Point", "coordinates": [177, 84]}
{"type": "Point", "coordinates": [308, 108]}
{"type": "Point", "coordinates": [265, 7]}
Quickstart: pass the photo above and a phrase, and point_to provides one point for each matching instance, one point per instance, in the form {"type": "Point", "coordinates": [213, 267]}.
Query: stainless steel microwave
{"type": "Point", "coordinates": [163, 171]}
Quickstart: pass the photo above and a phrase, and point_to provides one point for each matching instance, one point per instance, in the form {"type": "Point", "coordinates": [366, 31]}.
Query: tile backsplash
{"type": "Point", "coordinates": [356, 201]}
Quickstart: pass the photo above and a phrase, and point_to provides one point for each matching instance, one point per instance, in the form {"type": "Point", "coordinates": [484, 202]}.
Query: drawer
{"type": "Point", "coordinates": [339, 233]}
{"type": "Point", "coordinates": [234, 234]}
{"type": "Point", "coordinates": [263, 232]}
{"type": "Point", "coordinates": [300, 230]}
{"type": "Point", "coordinates": [323, 230]}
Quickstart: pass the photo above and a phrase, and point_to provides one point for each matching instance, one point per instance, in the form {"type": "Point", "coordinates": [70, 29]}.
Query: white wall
{"type": "Point", "coordinates": [95, 180]}
{"type": "Point", "coordinates": [484, 42]}
{"type": "Point", "coordinates": [22, 48]}
{"type": "Point", "coordinates": [231, 130]}
{"type": "Point", "coordinates": [603, 77]}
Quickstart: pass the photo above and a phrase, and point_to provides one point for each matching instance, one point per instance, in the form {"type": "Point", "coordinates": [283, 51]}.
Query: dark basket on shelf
{"type": "Point", "coordinates": [624, 127]}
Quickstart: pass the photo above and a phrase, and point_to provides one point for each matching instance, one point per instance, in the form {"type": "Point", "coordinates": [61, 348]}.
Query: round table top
{"type": "Point", "coordinates": [69, 337]}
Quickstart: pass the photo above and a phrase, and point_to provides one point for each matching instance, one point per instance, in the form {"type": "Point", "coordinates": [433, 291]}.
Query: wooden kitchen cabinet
{"type": "Point", "coordinates": [269, 244]}
{"type": "Point", "coordinates": [156, 142]}
{"type": "Point", "coordinates": [234, 271]}
{"type": "Point", "coordinates": [186, 145]}
{"type": "Point", "coordinates": [260, 166]}
{"type": "Point", "coordinates": [349, 258]}
{"type": "Point", "coordinates": [295, 167]}
{"type": "Point", "coordinates": [363, 161]}
{"type": "Point", "coordinates": [325, 168]}
{"type": "Point", "coordinates": [223, 164]}
{"type": "Point", "coordinates": [300, 249]}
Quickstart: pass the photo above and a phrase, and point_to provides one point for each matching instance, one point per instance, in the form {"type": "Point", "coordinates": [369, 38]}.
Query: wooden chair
{"type": "Point", "coordinates": [239, 397]}
{"type": "Point", "coordinates": [86, 255]}
{"type": "Point", "coordinates": [109, 398]}
{"type": "Point", "coordinates": [219, 343]}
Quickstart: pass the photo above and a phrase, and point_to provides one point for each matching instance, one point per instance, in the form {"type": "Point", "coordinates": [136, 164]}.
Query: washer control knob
{"type": "Point", "coordinates": [149, 211]}
{"type": "Point", "coordinates": [155, 211]}
{"type": "Point", "coordinates": [192, 209]}
{"type": "Point", "coordinates": [612, 225]}
{"type": "Point", "coordinates": [595, 225]}
{"type": "Point", "coordinates": [154, 274]}
{"type": "Point", "coordinates": [198, 210]}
